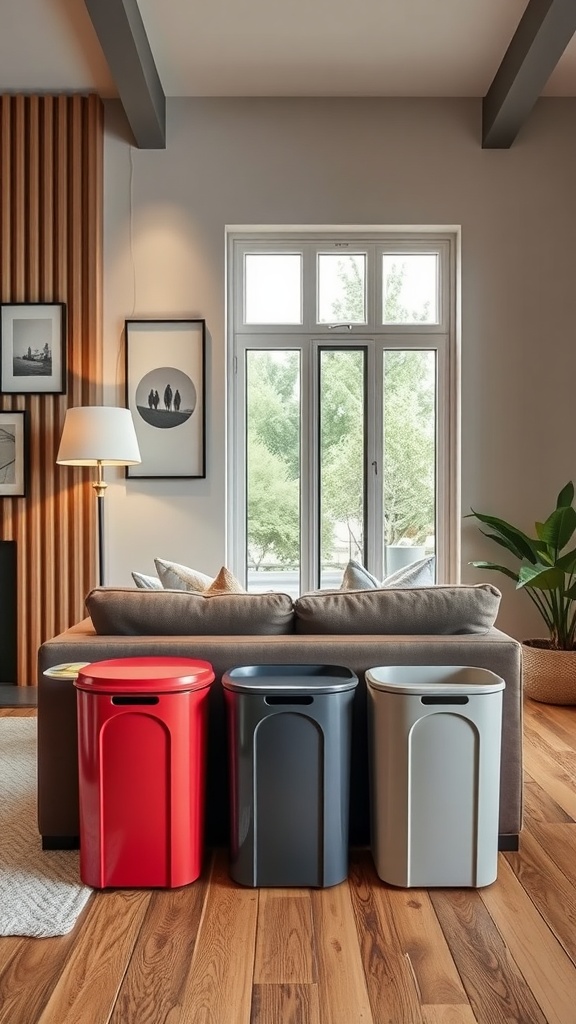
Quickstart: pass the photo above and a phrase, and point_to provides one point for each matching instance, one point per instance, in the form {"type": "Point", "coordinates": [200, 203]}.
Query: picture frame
{"type": "Point", "coordinates": [13, 453]}
{"type": "Point", "coordinates": [33, 348]}
{"type": "Point", "coordinates": [165, 392]}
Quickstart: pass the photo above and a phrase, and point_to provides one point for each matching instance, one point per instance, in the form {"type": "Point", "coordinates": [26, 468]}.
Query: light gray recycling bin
{"type": "Point", "coordinates": [289, 730]}
{"type": "Point", "coordinates": [434, 747]}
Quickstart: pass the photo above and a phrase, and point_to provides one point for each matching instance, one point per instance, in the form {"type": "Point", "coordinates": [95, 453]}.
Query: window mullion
{"type": "Point", "coordinates": [447, 489]}
{"type": "Point", "coordinates": [309, 469]}
{"type": "Point", "coordinates": [373, 287]}
{"type": "Point", "coordinates": [308, 287]}
{"type": "Point", "coordinates": [236, 531]}
{"type": "Point", "coordinates": [374, 460]}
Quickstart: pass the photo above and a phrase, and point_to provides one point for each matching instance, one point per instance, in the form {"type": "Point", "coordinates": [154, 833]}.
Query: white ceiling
{"type": "Point", "coordinates": [277, 47]}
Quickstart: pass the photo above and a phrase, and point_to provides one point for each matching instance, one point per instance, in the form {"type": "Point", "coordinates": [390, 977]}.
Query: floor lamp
{"type": "Point", "coordinates": [98, 435]}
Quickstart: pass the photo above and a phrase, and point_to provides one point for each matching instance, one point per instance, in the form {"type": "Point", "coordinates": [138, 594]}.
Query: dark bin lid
{"type": "Point", "coordinates": [289, 679]}
{"type": "Point", "coordinates": [145, 675]}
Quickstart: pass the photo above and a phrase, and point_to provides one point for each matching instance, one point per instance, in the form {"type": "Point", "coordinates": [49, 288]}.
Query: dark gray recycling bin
{"type": "Point", "coordinates": [289, 730]}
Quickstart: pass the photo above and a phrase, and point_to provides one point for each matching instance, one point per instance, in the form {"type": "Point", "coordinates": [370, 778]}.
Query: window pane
{"type": "Point", "coordinates": [410, 288]}
{"type": "Point", "coordinates": [409, 477]}
{"type": "Point", "coordinates": [341, 461]}
{"type": "Point", "coordinates": [341, 288]}
{"type": "Point", "coordinates": [273, 470]}
{"type": "Point", "coordinates": [273, 288]}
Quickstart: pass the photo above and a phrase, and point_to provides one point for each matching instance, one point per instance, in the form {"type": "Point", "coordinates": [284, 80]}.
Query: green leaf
{"type": "Point", "coordinates": [539, 529]}
{"type": "Point", "coordinates": [559, 527]}
{"type": "Point", "coordinates": [567, 562]}
{"type": "Point", "coordinates": [540, 577]}
{"type": "Point", "coordinates": [497, 568]}
{"type": "Point", "coordinates": [516, 541]}
{"type": "Point", "coordinates": [497, 540]}
{"type": "Point", "coordinates": [541, 548]}
{"type": "Point", "coordinates": [566, 496]}
{"type": "Point", "coordinates": [571, 592]}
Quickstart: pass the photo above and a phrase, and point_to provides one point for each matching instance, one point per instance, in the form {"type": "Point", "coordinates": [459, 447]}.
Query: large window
{"type": "Point", "coordinates": [343, 400]}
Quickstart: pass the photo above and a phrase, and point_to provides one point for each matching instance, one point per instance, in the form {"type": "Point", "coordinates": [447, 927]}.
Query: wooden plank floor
{"type": "Point", "coordinates": [358, 953]}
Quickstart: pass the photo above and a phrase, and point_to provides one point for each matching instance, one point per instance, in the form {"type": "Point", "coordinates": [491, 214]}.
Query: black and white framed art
{"type": "Point", "coordinates": [165, 392]}
{"type": "Point", "coordinates": [13, 453]}
{"type": "Point", "coordinates": [33, 348]}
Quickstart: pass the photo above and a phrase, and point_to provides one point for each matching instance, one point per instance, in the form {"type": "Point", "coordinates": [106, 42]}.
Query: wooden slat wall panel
{"type": "Point", "coordinates": [51, 251]}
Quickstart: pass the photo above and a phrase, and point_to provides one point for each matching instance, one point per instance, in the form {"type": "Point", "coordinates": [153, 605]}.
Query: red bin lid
{"type": "Point", "coordinates": [145, 675]}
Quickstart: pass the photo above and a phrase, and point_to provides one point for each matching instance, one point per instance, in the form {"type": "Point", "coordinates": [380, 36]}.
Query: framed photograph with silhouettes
{"type": "Point", "coordinates": [33, 348]}
{"type": "Point", "coordinates": [165, 392]}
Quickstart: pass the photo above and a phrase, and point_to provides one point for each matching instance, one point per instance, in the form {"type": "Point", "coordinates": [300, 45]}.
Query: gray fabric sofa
{"type": "Point", "coordinates": [356, 629]}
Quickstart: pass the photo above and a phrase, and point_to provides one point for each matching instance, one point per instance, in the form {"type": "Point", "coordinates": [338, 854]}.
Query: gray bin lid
{"type": "Point", "coordinates": [289, 679]}
{"type": "Point", "coordinates": [436, 680]}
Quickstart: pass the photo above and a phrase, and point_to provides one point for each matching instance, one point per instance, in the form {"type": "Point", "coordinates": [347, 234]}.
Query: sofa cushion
{"type": "Point", "coordinates": [126, 611]}
{"type": "Point", "coordinates": [175, 576]}
{"type": "Point", "coordinates": [415, 610]}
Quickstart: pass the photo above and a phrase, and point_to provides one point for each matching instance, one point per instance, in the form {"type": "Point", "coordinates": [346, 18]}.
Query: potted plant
{"type": "Point", "coordinates": [546, 571]}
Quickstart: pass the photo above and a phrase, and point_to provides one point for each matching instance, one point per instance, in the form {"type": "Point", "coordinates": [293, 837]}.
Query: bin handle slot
{"type": "Point", "coordinates": [135, 700]}
{"type": "Point", "coordinates": [286, 699]}
{"type": "Point", "coordinates": [444, 700]}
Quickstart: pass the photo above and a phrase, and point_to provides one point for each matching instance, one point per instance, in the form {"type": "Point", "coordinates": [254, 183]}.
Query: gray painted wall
{"type": "Point", "coordinates": [355, 161]}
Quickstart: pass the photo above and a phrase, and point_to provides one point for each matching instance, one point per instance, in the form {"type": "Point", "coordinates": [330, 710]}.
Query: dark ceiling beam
{"type": "Point", "coordinates": [123, 38]}
{"type": "Point", "coordinates": [543, 34]}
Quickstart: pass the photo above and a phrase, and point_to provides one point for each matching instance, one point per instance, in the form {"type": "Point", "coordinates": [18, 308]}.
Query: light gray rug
{"type": "Point", "coordinates": [40, 891]}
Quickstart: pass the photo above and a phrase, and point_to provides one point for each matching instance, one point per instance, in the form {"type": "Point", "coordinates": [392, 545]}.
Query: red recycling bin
{"type": "Point", "coordinates": [141, 749]}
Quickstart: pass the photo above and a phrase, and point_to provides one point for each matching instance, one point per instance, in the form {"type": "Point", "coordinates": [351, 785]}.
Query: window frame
{"type": "Point", "coordinates": [310, 337]}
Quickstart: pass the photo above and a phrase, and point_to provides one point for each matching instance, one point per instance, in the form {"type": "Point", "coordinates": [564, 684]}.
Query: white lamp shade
{"type": "Point", "coordinates": [95, 434]}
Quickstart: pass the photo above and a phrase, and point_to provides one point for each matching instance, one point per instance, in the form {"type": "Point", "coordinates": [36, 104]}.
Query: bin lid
{"type": "Point", "coordinates": [145, 675]}
{"type": "Point", "coordinates": [435, 680]}
{"type": "Point", "coordinates": [289, 679]}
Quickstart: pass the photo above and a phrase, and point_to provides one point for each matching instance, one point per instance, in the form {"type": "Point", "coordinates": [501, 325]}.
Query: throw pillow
{"type": "Point", "coordinates": [416, 574]}
{"type": "Point", "coordinates": [225, 583]}
{"type": "Point", "coordinates": [357, 577]}
{"type": "Point", "coordinates": [174, 576]}
{"type": "Point", "coordinates": [146, 582]}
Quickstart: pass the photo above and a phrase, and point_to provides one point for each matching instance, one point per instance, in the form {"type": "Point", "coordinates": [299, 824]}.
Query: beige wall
{"type": "Point", "coordinates": [366, 161]}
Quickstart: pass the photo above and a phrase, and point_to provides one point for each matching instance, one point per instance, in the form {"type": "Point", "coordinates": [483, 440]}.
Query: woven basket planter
{"type": "Point", "coordinates": [548, 675]}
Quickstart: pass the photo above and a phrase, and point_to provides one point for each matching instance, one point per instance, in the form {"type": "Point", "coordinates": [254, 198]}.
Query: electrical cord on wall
{"type": "Point", "coordinates": [122, 342]}
{"type": "Point", "coordinates": [131, 228]}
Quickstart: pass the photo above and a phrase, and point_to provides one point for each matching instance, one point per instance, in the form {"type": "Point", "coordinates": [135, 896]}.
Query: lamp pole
{"type": "Point", "coordinates": [100, 486]}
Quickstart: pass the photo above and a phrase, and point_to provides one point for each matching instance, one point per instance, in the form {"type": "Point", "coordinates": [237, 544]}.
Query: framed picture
{"type": "Point", "coordinates": [165, 385]}
{"type": "Point", "coordinates": [33, 348]}
{"type": "Point", "coordinates": [13, 454]}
